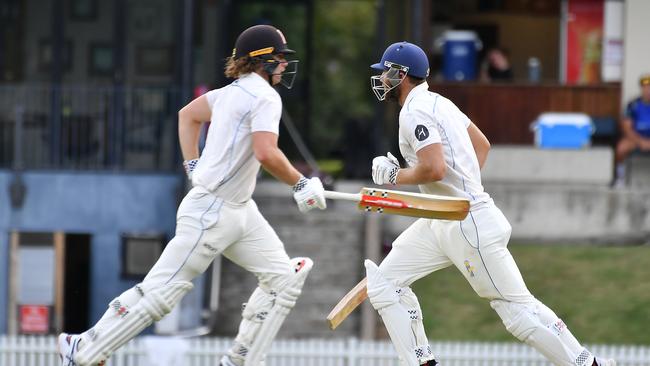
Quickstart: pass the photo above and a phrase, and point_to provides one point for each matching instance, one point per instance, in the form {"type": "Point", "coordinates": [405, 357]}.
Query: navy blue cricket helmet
{"type": "Point", "coordinates": [410, 57]}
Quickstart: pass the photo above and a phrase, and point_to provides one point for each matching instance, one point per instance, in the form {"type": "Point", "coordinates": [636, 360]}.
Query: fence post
{"type": "Point", "coordinates": [352, 355]}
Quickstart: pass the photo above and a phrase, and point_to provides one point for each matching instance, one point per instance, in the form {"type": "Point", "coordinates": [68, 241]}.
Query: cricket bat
{"type": "Point", "coordinates": [406, 203]}
{"type": "Point", "coordinates": [348, 303]}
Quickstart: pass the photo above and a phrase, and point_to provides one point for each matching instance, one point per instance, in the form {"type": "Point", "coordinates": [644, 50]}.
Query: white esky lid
{"type": "Point", "coordinates": [560, 118]}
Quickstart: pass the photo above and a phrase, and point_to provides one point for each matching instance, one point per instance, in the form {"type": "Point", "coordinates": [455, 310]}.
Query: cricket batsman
{"type": "Point", "coordinates": [444, 152]}
{"type": "Point", "coordinates": [218, 215]}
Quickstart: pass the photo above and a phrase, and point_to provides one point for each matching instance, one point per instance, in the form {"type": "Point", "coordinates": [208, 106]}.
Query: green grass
{"type": "Point", "coordinates": [601, 293]}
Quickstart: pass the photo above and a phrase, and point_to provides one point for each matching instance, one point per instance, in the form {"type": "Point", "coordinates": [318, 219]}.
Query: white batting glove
{"type": "Point", "coordinates": [384, 169]}
{"type": "Point", "coordinates": [189, 166]}
{"type": "Point", "coordinates": [309, 194]}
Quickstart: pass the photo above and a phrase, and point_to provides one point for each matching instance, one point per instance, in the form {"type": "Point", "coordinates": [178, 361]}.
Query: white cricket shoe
{"type": "Point", "coordinates": [226, 361]}
{"type": "Point", "coordinates": [67, 346]}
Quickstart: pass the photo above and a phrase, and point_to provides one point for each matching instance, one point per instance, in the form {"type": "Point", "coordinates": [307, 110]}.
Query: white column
{"type": "Point", "coordinates": [612, 56]}
{"type": "Point", "coordinates": [636, 46]}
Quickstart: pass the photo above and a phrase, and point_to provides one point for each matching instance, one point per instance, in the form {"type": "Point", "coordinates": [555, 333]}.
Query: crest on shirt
{"type": "Point", "coordinates": [421, 132]}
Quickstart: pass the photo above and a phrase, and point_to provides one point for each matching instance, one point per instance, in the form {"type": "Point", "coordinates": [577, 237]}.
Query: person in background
{"type": "Point", "coordinates": [496, 66]}
{"type": "Point", "coordinates": [635, 129]}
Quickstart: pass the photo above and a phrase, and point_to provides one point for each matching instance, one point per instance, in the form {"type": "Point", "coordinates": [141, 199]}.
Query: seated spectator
{"type": "Point", "coordinates": [496, 66]}
{"type": "Point", "coordinates": [635, 129]}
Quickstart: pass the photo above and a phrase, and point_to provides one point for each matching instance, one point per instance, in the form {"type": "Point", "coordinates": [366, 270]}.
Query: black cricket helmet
{"type": "Point", "coordinates": [261, 43]}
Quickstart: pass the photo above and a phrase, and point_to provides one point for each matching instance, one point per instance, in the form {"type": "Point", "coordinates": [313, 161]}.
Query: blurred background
{"type": "Point", "coordinates": [91, 176]}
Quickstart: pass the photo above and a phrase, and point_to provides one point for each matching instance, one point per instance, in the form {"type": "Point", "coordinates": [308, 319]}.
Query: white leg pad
{"type": "Point", "coordinates": [285, 300]}
{"type": "Point", "coordinates": [538, 326]}
{"type": "Point", "coordinates": [154, 304]}
{"type": "Point", "coordinates": [116, 309]}
{"type": "Point", "coordinates": [400, 310]}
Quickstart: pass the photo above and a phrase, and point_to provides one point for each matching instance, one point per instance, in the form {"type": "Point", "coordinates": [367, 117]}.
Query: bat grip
{"type": "Point", "coordinates": [356, 197]}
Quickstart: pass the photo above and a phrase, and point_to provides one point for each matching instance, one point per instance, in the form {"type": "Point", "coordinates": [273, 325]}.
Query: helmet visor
{"type": "Point", "coordinates": [382, 84]}
{"type": "Point", "coordinates": [289, 74]}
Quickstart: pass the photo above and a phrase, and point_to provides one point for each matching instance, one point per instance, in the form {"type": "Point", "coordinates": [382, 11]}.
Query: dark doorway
{"type": "Point", "coordinates": [77, 283]}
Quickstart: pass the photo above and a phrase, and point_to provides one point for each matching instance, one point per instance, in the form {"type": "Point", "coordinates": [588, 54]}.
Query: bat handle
{"type": "Point", "coordinates": [356, 197]}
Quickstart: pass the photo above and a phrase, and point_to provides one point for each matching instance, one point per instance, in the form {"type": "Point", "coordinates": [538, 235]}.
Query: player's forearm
{"type": "Point", "coordinates": [190, 118]}
{"type": "Point", "coordinates": [481, 154]}
{"type": "Point", "coordinates": [480, 143]}
{"type": "Point", "coordinates": [275, 162]}
{"type": "Point", "coordinates": [420, 174]}
{"type": "Point", "coordinates": [188, 135]}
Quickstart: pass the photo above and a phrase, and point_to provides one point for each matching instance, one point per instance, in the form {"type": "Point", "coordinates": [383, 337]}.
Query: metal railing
{"type": "Point", "coordinates": [88, 127]}
{"type": "Point", "coordinates": [159, 351]}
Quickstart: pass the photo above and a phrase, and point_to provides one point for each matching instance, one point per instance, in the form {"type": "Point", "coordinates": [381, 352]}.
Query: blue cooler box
{"type": "Point", "coordinates": [563, 130]}
{"type": "Point", "coordinates": [460, 51]}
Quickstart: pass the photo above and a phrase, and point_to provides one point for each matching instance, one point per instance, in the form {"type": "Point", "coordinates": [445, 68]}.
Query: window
{"type": "Point", "coordinates": [139, 253]}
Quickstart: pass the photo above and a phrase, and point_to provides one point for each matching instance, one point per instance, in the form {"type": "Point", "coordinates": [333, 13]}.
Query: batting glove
{"type": "Point", "coordinates": [189, 166]}
{"type": "Point", "coordinates": [309, 194]}
{"type": "Point", "coordinates": [384, 169]}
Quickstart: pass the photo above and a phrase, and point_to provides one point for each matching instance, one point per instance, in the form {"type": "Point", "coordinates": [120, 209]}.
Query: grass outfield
{"type": "Point", "coordinates": [601, 293]}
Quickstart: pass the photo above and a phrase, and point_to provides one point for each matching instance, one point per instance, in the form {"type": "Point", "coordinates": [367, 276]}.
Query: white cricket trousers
{"type": "Point", "coordinates": [477, 246]}
{"type": "Point", "coordinates": [208, 226]}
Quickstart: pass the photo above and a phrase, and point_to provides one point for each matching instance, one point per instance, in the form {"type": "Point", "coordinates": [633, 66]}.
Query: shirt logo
{"type": "Point", "coordinates": [470, 269]}
{"type": "Point", "coordinates": [421, 132]}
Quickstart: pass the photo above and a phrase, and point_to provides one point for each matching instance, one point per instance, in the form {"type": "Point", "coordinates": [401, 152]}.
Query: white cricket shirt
{"type": "Point", "coordinates": [429, 118]}
{"type": "Point", "coordinates": [227, 166]}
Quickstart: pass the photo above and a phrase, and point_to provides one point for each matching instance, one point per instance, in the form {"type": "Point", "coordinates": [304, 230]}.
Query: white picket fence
{"type": "Point", "coordinates": [158, 351]}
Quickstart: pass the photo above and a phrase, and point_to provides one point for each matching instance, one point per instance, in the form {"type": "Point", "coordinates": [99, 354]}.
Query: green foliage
{"type": "Point", "coordinates": [343, 42]}
{"type": "Point", "coordinates": [601, 293]}
{"type": "Point", "coordinates": [333, 167]}
{"type": "Point", "coordinates": [344, 35]}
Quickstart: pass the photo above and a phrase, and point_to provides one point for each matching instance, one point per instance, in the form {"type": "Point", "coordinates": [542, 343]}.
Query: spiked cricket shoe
{"type": "Point", "coordinates": [67, 346]}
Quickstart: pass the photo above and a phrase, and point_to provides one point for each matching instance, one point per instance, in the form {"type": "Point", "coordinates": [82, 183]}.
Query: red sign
{"type": "Point", "coordinates": [34, 319]}
{"type": "Point", "coordinates": [584, 41]}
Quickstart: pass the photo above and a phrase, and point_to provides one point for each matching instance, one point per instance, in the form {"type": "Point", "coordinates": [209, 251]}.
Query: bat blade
{"type": "Point", "coordinates": [348, 303]}
{"type": "Point", "coordinates": [413, 204]}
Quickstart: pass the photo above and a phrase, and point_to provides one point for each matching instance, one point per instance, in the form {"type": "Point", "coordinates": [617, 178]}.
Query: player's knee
{"type": "Point", "coordinates": [300, 268]}
{"type": "Point", "coordinates": [287, 287]}
{"type": "Point", "coordinates": [381, 292]}
{"type": "Point", "coordinates": [549, 319]}
{"type": "Point", "coordinates": [520, 319]}
{"type": "Point", "coordinates": [121, 304]}
{"type": "Point", "coordinates": [160, 300]}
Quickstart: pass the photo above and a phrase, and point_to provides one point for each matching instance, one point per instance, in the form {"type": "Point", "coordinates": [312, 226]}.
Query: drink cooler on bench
{"type": "Point", "coordinates": [563, 131]}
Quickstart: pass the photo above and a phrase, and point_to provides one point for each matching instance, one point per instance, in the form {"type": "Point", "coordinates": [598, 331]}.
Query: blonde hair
{"type": "Point", "coordinates": [237, 67]}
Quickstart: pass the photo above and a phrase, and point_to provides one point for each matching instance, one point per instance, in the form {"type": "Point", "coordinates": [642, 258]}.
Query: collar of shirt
{"type": "Point", "coordinates": [415, 91]}
{"type": "Point", "coordinates": [254, 78]}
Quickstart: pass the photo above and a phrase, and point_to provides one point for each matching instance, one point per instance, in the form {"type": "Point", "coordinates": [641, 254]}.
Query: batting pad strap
{"type": "Point", "coordinates": [258, 306]}
{"type": "Point", "coordinates": [535, 324]}
{"type": "Point", "coordinates": [585, 358]}
{"type": "Point", "coordinates": [254, 313]}
{"type": "Point", "coordinates": [424, 354]}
